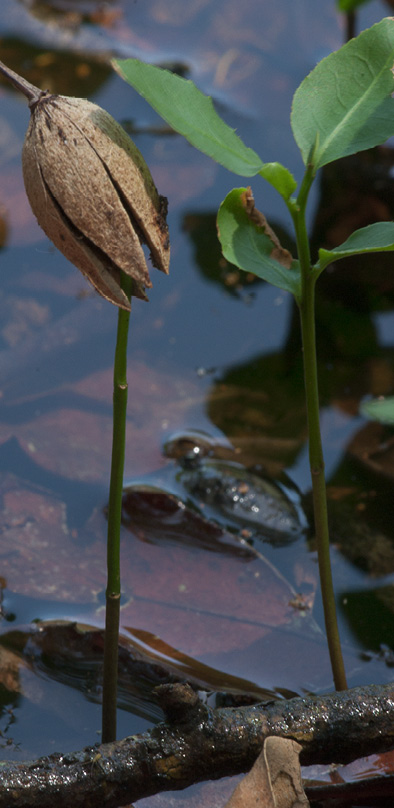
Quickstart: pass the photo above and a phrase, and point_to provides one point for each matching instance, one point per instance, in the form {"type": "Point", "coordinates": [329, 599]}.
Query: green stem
{"type": "Point", "coordinates": [307, 314]}
{"type": "Point", "coordinates": [110, 675]}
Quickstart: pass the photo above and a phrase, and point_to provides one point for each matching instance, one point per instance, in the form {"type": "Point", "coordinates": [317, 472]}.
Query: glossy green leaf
{"type": "Point", "coordinates": [245, 245]}
{"type": "Point", "coordinates": [379, 409]}
{"type": "Point", "coordinates": [280, 177]}
{"type": "Point", "coordinates": [191, 113]}
{"type": "Point", "coordinates": [346, 100]}
{"type": "Point", "coordinates": [378, 237]}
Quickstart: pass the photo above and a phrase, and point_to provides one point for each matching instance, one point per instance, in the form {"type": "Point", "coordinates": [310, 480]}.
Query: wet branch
{"type": "Point", "coordinates": [198, 743]}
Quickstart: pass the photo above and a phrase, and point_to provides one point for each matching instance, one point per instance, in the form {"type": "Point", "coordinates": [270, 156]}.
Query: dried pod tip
{"type": "Point", "coordinates": [92, 192]}
{"type": "Point", "coordinates": [32, 93]}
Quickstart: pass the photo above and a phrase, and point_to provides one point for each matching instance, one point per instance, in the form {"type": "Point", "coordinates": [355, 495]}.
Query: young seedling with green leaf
{"type": "Point", "coordinates": [344, 106]}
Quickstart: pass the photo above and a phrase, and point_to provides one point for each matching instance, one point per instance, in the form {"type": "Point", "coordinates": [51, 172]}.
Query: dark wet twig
{"type": "Point", "coordinates": [198, 743]}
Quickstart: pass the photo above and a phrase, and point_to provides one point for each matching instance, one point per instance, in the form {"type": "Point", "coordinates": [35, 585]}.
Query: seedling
{"type": "Point", "coordinates": [342, 107]}
{"type": "Point", "coordinates": [93, 195]}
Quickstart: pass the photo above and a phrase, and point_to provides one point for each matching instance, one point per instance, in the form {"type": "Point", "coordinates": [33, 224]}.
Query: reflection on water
{"type": "Point", "coordinates": [196, 590]}
{"type": "Point", "coordinates": [235, 496]}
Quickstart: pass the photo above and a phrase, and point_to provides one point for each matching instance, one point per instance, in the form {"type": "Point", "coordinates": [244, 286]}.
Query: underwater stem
{"type": "Point", "coordinates": [110, 676]}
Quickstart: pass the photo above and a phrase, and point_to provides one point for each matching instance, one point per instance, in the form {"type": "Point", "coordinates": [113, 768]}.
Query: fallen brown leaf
{"type": "Point", "coordinates": [275, 779]}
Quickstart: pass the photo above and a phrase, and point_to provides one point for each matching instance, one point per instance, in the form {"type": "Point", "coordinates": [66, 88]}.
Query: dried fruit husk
{"type": "Point", "coordinates": [93, 194]}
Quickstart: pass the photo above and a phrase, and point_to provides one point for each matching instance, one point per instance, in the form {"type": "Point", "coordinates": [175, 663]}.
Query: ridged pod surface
{"type": "Point", "coordinates": [93, 194]}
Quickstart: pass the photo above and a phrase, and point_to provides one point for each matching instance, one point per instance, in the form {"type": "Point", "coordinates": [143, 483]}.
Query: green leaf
{"type": "Point", "coordinates": [280, 177]}
{"type": "Point", "coordinates": [379, 410]}
{"type": "Point", "coordinates": [346, 100]}
{"type": "Point", "coordinates": [350, 5]}
{"type": "Point", "coordinates": [378, 237]}
{"type": "Point", "coordinates": [191, 113]}
{"type": "Point", "coordinates": [246, 245]}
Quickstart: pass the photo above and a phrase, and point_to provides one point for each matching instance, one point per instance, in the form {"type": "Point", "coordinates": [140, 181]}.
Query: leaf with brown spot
{"type": "Point", "coordinates": [248, 242]}
{"type": "Point", "coordinates": [278, 253]}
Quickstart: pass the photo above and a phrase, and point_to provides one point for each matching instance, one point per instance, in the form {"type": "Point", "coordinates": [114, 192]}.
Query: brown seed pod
{"type": "Point", "coordinates": [92, 192]}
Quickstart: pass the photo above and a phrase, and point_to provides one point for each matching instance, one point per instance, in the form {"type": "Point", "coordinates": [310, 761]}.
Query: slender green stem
{"type": "Point", "coordinates": [316, 460]}
{"type": "Point", "coordinates": [307, 313]}
{"type": "Point", "coordinates": [110, 675]}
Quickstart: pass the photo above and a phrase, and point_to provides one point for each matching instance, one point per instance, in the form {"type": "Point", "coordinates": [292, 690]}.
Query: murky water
{"type": "Point", "coordinates": [211, 353]}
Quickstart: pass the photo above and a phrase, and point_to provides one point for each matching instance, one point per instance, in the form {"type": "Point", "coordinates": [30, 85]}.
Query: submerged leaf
{"type": "Point", "coordinates": [379, 409]}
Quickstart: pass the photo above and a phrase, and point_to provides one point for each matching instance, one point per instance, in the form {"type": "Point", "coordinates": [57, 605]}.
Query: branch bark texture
{"type": "Point", "coordinates": [197, 743]}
